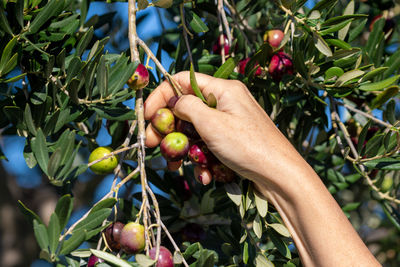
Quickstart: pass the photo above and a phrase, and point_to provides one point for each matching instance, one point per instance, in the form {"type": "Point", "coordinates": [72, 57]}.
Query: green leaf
{"type": "Point", "coordinates": [10, 65]}
{"type": "Point", "coordinates": [377, 86]}
{"type": "Point", "coordinates": [40, 150]}
{"type": "Point", "coordinates": [362, 136]}
{"type": "Point", "coordinates": [354, 33]}
{"type": "Point", "coordinates": [280, 228]}
{"type": "Point", "coordinates": [262, 261]}
{"type": "Point", "coordinates": [383, 97]}
{"type": "Point", "coordinates": [93, 220]}
{"type": "Point", "coordinates": [207, 202]}
{"type": "Point", "coordinates": [29, 213]}
{"type": "Point", "coordinates": [65, 22]}
{"type": "Point", "coordinates": [351, 206]}
{"type": "Point", "coordinates": [28, 120]}
{"type": "Point", "coordinates": [163, 3]}
{"type": "Point", "coordinates": [84, 42]}
{"type": "Point", "coordinates": [261, 205]}
{"type": "Point", "coordinates": [102, 76]}
{"type": "Point", "coordinates": [245, 253]}
{"type": "Point", "coordinates": [196, 23]}
{"type": "Point", "coordinates": [373, 73]}
{"type": "Point", "coordinates": [226, 69]}
{"type": "Point", "coordinates": [335, 28]}
{"type": "Point", "coordinates": [106, 203]}
{"type": "Point", "coordinates": [321, 45]}
{"type": "Point", "coordinates": [390, 112]}
{"type": "Point", "coordinates": [64, 209]}
{"type": "Point", "coordinates": [53, 231]}
{"type": "Point", "coordinates": [142, 4]}
{"type": "Point", "coordinates": [41, 235]}
{"type": "Point", "coordinates": [280, 245]}
{"type": "Point", "coordinates": [347, 76]}
{"type": "Point", "coordinates": [234, 192]}
{"type": "Point", "coordinates": [349, 10]}
{"type": "Point", "coordinates": [194, 85]}
{"type": "Point", "coordinates": [144, 260]}
{"type": "Point", "coordinates": [257, 226]}
{"type": "Point", "coordinates": [114, 113]}
{"type": "Point", "coordinates": [6, 54]}
{"type": "Point", "coordinates": [338, 43]}
{"type": "Point", "coordinates": [15, 78]}
{"type": "Point", "coordinates": [72, 243]}
{"type": "Point", "coordinates": [52, 8]}
{"type": "Point", "coordinates": [4, 22]}
{"type": "Point", "coordinates": [110, 258]}
{"type": "Point", "coordinates": [375, 36]}
{"type": "Point", "coordinates": [390, 164]}
{"type": "Point", "coordinates": [340, 19]}
{"type": "Point", "coordinates": [54, 163]}
{"type": "Point", "coordinates": [393, 64]}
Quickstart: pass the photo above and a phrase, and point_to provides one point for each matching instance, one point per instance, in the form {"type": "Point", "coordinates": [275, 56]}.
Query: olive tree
{"type": "Point", "coordinates": [328, 79]}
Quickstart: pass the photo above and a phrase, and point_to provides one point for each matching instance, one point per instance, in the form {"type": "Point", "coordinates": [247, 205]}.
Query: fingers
{"type": "Point", "coordinates": [160, 96]}
{"type": "Point", "coordinates": [203, 175]}
{"type": "Point", "coordinates": [152, 137]}
{"type": "Point", "coordinates": [193, 109]}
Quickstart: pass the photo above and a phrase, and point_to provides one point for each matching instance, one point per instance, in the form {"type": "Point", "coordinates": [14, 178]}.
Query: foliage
{"type": "Point", "coordinates": [58, 83]}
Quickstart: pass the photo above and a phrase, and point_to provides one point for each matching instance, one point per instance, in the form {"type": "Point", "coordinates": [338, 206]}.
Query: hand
{"type": "Point", "coordinates": [238, 131]}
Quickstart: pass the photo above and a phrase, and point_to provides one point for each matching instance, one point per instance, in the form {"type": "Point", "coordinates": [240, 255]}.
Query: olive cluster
{"type": "Point", "coordinates": [131, 239]}
{"type": "Point", "coordinates": [180, 139]}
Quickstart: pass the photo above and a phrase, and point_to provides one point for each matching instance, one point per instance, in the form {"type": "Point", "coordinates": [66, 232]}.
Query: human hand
{"type": "Point", "coordinates": [238, 132]}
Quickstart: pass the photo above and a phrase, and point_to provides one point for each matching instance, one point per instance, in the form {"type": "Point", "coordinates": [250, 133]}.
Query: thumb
{"type": "Point", "coordinates": [193, 109]}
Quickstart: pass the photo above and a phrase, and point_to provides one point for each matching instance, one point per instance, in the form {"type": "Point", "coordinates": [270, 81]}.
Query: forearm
{"type": "Point", "coordinates": [322, 233]}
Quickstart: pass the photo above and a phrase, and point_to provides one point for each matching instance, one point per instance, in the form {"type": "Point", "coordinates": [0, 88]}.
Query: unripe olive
{"type": "Point", "coordinates": [174, 146]}
{"type": "Point", "coordinates": [163, 121]}
{"type": "Point", "coordinates": [105, 166]}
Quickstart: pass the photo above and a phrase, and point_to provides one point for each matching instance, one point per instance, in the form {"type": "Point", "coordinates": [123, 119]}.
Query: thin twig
{"type": "Point", "coordinates": [369, 116]}
{"type": "Point", "coordinates": [185, 33]}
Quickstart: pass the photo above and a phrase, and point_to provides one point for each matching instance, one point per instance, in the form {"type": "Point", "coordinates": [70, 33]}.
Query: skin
{"type": "Point", "coordinates": [322, 233]}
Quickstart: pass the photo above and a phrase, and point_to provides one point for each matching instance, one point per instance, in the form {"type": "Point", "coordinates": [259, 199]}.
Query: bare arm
{"type": "Point", "coordinates": [244, 138]}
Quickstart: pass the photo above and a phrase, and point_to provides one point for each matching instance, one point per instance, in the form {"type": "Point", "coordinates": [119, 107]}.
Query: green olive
{"type": "Point", "coordinates": [105, 166]}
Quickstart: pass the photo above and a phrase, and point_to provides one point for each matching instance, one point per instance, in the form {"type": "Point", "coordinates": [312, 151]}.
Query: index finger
{"type": "Point", "coordinates": [160, 96]}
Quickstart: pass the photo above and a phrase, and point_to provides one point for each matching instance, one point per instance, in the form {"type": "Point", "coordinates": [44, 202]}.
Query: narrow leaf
{"type": "Point", "coordinates": [53, 230]}
{"type": "Point", "coordinates": [377, 86]}
{"type": "Point", "coordinates": [194, 85]}
{"type": "Point", "coordinates": [40, 150]}
{"type": "Point", "coordinates": [234, 192]}
{"type": "Point", "coordinates": [349, 10]}
{"type": "Point", "coordinates": [257, 226]}
{"type": "Point", "coordinates": [93, 220]}
{"type": "Point", "coordinates": [41, 235]}
{"type": "Point", "coordinates": [384, 164]}
{"type": "Point", "coordinates": [64, 209]}
{"type": "Point", "coordinates": [280, 228]}
{"type": "Point", "coordinates": [110, 258]}
{"type": "Point", "coordinates": [321, 45]}
{"type": "Point", "coordinates": [73, 242]}
{"type": "Point", "coordinates": [383, 97]}
{"type": "Point", "coordinates": [226, 69]}
{"type": "Point", "coordinates": [261, 205]}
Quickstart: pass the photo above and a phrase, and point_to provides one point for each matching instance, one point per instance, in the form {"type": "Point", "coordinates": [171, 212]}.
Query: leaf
{"type": "Point", "coordinates": [363, 135]}
{"type": "Point", "coordinates": [257, 226]}
{"type": "Point", "coordinates": [377, 86]}
{"type": "Point", "coordinates": [102, 76]}
{"type": "Point", "coordinates": [4, 25]}
{"type": "Point", "coordinates": [373, 73]}
{"type": "Point", "coordinates": [52, 8]}
{"type": "Point", "coordinates": [110, 258]}
{"type": "Point", "coordinates": [226, 69]}
{"type": "Point", "coordinates": [29, 213]}
{"type": "Point", "coordinates": [280, 228]}
{"type": "Point", "coordinates": [142, 4]}
{"type": "Point", "coordinates": [340, 19]}
{"type": "Point", "coordinates": [321, 45]}
{"type": "Point", "coordinates": [280, 245]}
{"type": "Point", "coordinates": [144, 260]}
{"type": "Point", "coordinates": [351, 206]}
{"type": "Point", "coordinates": [40, 150]}
{"type": "Point", "coordinates": [261, 205]}
{"type": "Point", "coordinates": [375, 36]}
{"type": "Point", "coordinates": [245, 253]}
{"type": "Point", "coordinates": [84, 42]}
{"type": "Point", "coordinates": [349, 10]}
{"type": "Point", "coordinates": [207, 203]}
{"type": "Point", "coordinates": [93, 220]}
{"type": "Point", "coordinates": [194, 85]}
{"type": "Point", "coordinates": [72, 243]}
{"type": "Point", "coordinates": [347, 76]}
{"type": "Point", "coordinates": [234, 192]}
{"type": "Point", "coordinates": [163, 3]}
{"type": "Point", "coordinates": [54, 163]}
{"type": "Point", "coordinates": [196, 23]}
{"type": "Point", "coordinates": [64, 209]}
{"type": "Point", "coordinates": [354, 33]}
{"type": "Point", "coordinates": [28, 120]}
{"type": "Point", "coordinates": [106, 203]}
{"type": "Point", "coordinates": [393, 64]}
{"type": "Point", "coordinates": [178, 257]}
{"type": "Point", "coordinates": [53, 231]}
{"type": "Point", "coordinates": [383, 97]}
{"type": "Point", "coordinates": [41, 235]}
{"type": "Point", "coordinates": [338, 43]}
{"type": "Point", "coordinates": [262, 261]}
{"type": "Point", "coordinates": [6, 54]}
{"type": "Point", "coordinates": [384, 164]}
{"type": "Point", "coordinates": [335, 28]}
{"type": "Point", "coordinates": [10, 65]}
